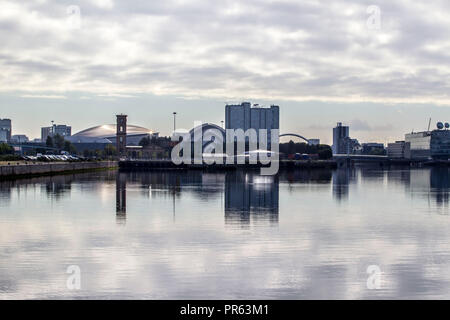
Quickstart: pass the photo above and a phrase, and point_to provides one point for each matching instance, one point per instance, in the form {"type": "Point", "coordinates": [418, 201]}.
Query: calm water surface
{"type": "Point", "coordinates": [234, 235]}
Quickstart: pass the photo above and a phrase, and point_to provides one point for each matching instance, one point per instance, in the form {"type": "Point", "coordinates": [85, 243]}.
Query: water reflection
{"type": "Point", "coordinates": [306, 176]}
{"type": "Point", "coordinates": [251, 196]}
{"type": "Point", "coordinates": [57, 187]}
{"type": "Point", "coordinates": [243, 194]}
{"type": "Point", "coordinates": [440, 185]}
{"type": "Point", "coordinates": [342, 178]}
{"type": "Point", "coordinates": [121, 198]}
{"type": "Point", "coordinates": [204, 235]}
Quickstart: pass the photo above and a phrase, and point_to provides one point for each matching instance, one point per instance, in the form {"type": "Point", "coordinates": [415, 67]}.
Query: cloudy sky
{"type": "Point", "coordinates": [80, 62]}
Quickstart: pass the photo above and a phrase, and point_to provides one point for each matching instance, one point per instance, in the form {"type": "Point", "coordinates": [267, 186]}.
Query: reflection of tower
{"type": "Point", "coordinates": [341, 181]}
{"type": "Point", "coordinates": [121, 135]}
{"type": "Point", "coordinates": [249, 195]}
{"type": "Point", "coordinates": [121, 197]}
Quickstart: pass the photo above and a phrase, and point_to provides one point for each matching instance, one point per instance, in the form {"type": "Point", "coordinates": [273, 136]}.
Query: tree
{"type": "Point", "coordinates": [49, 142]}
{"type": "Point", "coordinates": [69, 147]}
{"type": "Point", "coordinates": [323, 150]}
{"type": "Point", "coordinates": [6, 149]}
{"type": "Point", "coordinates": [377, 152]}
{"type": "Point", "coordinates": [87, 153]}
{"type": "Point", "coordinates": [145, 142]}
{"type": "Point", "coordinates": [325, 154]}
{"type": "Point", "coordinates": [58, 141]}
{"type": "Point", "coordinates": [109, 151]}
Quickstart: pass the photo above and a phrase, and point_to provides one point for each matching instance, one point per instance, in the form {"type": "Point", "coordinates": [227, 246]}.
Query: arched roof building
{"type": "Point", "coordinates": [107, 134]}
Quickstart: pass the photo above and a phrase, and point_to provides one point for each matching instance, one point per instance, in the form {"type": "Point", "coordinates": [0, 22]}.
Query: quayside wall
{"type": "Point", "coordinates": [33, 169]}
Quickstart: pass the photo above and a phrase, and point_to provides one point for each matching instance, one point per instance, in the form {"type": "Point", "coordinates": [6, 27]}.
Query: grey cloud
{"type": "Point", "coordinates": [362, 125]}
{"type": "Point", "coordinates": [284, 49]}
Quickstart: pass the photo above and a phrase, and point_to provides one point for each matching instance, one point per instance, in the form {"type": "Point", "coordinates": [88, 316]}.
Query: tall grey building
{"type": "Point", "coordinates": [5, 130]}
{"type": "Point", "coordinates": [244, 116]}
{"type": "Point", "coordinates": [62, 130]}
{"type": "Point", "coordinates": [341, 139]}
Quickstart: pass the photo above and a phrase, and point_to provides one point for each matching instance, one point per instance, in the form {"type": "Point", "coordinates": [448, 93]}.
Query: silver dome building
{"type": "Point", "coordinates": [107, 134]}
{"type": "Point", "coordinates": [97, 138]}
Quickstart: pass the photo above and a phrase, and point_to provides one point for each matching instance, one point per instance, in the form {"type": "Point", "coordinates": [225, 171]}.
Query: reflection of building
{"type": "Point", "coordinates": [440, 185]}
{"type": "Point", "coordinates": [307, 176]}
{"type": "Point", "coordinates": [433, 183]}
{"type": "Point", "coordinates": [121, 197]}
{"type": "Point", "coordinates": [58, 187]}
{"type": "Point", "coordinates": [341, 182]}
{"type": "Point", "coordinates": [249, 195]}
{"type": "Point", "coordinates": [5, 130]}
{"type": "Point", "coordinates": [62, 130]}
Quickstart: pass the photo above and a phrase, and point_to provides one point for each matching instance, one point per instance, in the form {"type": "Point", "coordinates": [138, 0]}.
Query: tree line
{"type": "Point", "coordinates": [322, 150]}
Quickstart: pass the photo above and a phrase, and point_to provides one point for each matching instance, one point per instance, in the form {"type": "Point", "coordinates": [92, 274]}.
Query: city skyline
{"type": "Point", "coordinates": [80, 63]}
{"type": "Point", "coordinates": [368, 124]}
{"type": "Point", "coordinates": [224, 158]}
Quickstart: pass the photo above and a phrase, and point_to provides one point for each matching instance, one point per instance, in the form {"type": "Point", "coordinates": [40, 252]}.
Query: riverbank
{"type": "Point", "coordinates": [20, 169]}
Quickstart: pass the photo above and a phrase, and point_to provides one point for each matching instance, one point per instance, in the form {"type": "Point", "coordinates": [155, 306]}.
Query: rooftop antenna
{"type": "Point", "coordinates": [429, 124]}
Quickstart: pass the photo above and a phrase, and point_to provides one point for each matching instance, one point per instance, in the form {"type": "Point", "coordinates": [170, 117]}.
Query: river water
{"type": "Point", "coordinates": [360, 233]}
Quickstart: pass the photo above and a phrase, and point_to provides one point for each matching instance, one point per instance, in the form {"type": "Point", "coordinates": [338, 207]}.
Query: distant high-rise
{"type": "Point", "coordinates": [244, 116]}
{"type": "Point", "coordinates": [341, 139]}
{"type": "Point", "coordinates": [19, 138]}
{"type": "Point", "coordinates": [5, 130]}
{"type": "Point", "coordinates": [121, 134]}
{"type": "Point", "coordinates": [61, 129]}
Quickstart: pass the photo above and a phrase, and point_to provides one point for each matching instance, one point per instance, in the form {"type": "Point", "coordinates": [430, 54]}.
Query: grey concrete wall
{"type": "Point", "coordinates": [46, 168]}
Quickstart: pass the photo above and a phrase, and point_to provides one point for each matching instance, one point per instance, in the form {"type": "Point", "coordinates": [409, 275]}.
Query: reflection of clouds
{"type": "Point", "coordinates": [318, 250]}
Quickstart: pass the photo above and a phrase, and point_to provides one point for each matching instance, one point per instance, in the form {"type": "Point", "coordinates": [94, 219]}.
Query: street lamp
{"type": "Point", "coordinates": [174, 121]}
